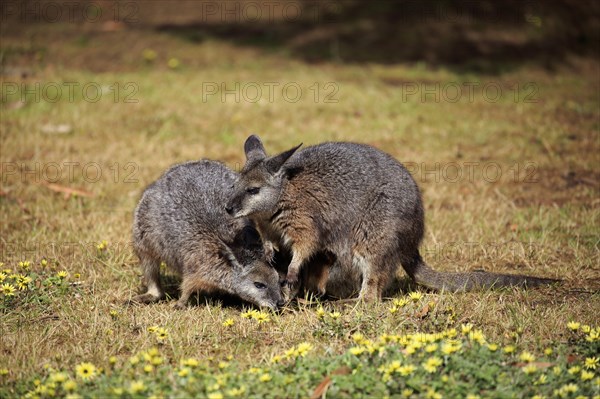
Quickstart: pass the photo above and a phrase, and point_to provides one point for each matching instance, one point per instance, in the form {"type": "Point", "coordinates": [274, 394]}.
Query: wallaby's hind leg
{"type": "Point", "coordinates": [193, 283]}
{"type": "Point", "coordinates": [374, 278]}
{"type": "Point", "coordinates": [154, 291]}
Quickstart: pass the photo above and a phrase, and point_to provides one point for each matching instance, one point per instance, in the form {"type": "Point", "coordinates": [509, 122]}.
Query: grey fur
{"type": "Point", "coordinates": [352, 201]}
{"type": "Point", "coordinates": [180, 220]}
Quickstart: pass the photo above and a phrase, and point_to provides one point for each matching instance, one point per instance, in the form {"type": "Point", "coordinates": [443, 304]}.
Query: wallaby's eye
{"type": "Point", "coordinates": [253, 190]}
{"type": "Point", "coordinates": [260, 286]}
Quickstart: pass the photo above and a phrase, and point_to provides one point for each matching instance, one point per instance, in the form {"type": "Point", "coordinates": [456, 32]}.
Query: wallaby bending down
{"type": "Point", "coordinates": [181, 221]}
{"type": "Point", "coordinates": [349, 200]}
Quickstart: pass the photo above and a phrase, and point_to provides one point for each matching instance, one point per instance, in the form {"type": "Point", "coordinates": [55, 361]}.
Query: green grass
{"type": "Point", "coordinates": [538, 221]}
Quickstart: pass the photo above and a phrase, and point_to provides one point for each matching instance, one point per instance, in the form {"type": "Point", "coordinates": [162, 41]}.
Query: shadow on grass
{"type": "Point", "coordinates": [467, 36]}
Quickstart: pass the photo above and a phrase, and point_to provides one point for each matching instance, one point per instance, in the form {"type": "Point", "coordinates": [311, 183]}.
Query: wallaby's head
{"type": "Point", "coordinates": [261, 180]}
{"type": "Point", "coordinates": [259, 284]}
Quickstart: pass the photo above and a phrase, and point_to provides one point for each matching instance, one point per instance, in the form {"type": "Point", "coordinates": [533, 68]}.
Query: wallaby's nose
{"type": "Point", "coordinates": [280, 303]}
{"type": "Point", "coordinates": [229, 209]}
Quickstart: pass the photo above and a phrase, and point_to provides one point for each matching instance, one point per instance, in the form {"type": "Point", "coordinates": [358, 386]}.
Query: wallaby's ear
{"type": "Point", "coordinates": [276, 162]}
{"type": "Point", "coordinates": [254, 149]}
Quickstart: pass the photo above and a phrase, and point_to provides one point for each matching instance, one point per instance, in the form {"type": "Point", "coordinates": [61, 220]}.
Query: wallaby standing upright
{"type": "Point", "coordinates": [181, 221]}
{"type": "Point", "coordinates": [351, 201]}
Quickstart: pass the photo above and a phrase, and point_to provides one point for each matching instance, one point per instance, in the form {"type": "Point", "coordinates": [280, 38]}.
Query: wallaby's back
{"type": "Point", "coordinates": [181, 221]}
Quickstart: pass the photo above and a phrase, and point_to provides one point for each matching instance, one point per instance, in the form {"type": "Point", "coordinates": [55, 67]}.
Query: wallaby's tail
{"type": "Point", "coordinates": [424, 275]}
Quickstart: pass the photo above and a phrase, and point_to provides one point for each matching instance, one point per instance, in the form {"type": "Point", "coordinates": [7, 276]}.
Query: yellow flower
{"type": "Point", "coordinates": [466, 328]}
{"type": "Point", "coordinates": [591, 363]}
{"type": "Point", "coordinates": [113, 313]}
{"type": "Point", "coordinates": [492, 347]}
{"type": "Point", "coordinates": [432, 394]}
{"type": "Point", "coordinates": [509, 349]}
{"type": "Point", "coordinates": [161, 334]}
{"type": "Point", "coordinates": [44, 262]}
{"type": "Point", "coordinates": [574, 370]}
{"type": "Point", "coordinates": [148, 368]}
{"type": "Point", "coordinates": [303, 348]}
{"type": "Point", "coordinates": [335, 315]}
{"type": "Point", "coordinates": [222, 365]}
{"type": "Point", "coordinates": [174, 64]}
{"type": "Point", "coordinates": [541, 380]}
{"type": "Point", "coordinates": [586, 375]}
{"type": "Point", "coordinates": [184, 372]}
{"type": "Point", "coordinates": [406, 370]}
{"type": "Point", "coordinates": [69, 385]}
{"type": "Point", "coordinates": [3, 371]}
{"type": "Point", "coordinates": [357, 350]}
{"type": "Point", "coordinates": [276, 359]}
{"type": "Point", "coordinates": [529, 369]}
{"type": "Point", "coordinates": [152, 329]}
{"type": "Point", "coordinates": [400, 302]}
{"type": "Point", "coordinates": [215, 395]}
{"type": "Point", "coordinates": [25, 265]}
{"type": "Point", "coordinates": [556, 370]}
{"type": "Point", "coordinates": [472, 396]}
{"type": "Point", "coordinates": [526, 357]}
{"type": "Point", "coordinates": [477, 336]}
{"type": "Point", "coordinates": [586, 329]}
{"type": "Point", "coordinates": [190, 362]}
{"type": "Point", "coordinates": [261, 317]}
{"type": "Point", "coordinates": [62, 274]}
{"type": "Point", "coordinates": [255, 370]}
{"type": "Point", "coordinates": [134, 360]}
{"type": "Point", "coordinates": [2, 277]}
{"type": "Point", "coordinates": [137, 387]}
{"type": "Point", "coordinates": [573, 325]}
{"type": "Point", "coordinates": [432, 364]}
{"type": "Point", "coordinates": [407, 393]}
{"type": "Point", "coordinates": [228, 323]}
{"type": "Point", "coordinates": [149, 54]}
{"type": "Point", "coordinates": [264, 378]}
{"type": "Point", "coordinates": [431, 348]}
{"type": "Point", "coordinates": [394, 309]}
{"type": "Point", "coordinates": [101, 246]}
{"type": "Point", "coordinates": [58, 377]}
{"type": "Point", "coordinates": [415, 296]}
{"type": "Point", "coordinates": [156, 360]}
{"type": "Point", "coordinates": [249, 314]}
{"type": "Point", "coordinates": [8, 290]}
{"type": "Point", "coordinates": [236, 392]}
{"type": "Point", "coordinates": [86, 371]}
{"type": "Point", "coordinates": [320, 312]}
{"type": "Point", "coordinates": [548, 351]}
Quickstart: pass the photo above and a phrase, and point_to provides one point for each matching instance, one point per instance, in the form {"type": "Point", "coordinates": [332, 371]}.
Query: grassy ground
{"type": "Point", "coordinates": [526, 200]}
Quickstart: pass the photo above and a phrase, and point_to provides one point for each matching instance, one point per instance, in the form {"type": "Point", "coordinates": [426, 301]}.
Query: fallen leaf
{"type": "Point", "coordinates": [321, 389]}
{"type": "Point", "coordinates": [68, 191]}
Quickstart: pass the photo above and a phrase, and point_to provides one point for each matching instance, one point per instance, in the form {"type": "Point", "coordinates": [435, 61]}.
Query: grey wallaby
{"type": "Point", "coordinates": [181, 220]}
{"type": "Point", "coordinates": [352, 202]}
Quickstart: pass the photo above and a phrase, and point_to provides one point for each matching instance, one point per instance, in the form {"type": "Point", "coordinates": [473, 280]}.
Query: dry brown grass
{"type": "Point", "coordinates": [547, 226]}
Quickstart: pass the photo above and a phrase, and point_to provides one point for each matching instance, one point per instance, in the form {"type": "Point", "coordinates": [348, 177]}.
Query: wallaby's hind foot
{"type": "Point", "coordinates": [146, 298]}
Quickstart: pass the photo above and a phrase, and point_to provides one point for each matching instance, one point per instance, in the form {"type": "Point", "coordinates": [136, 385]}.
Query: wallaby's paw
{"type": "Point", "coordinates": [291, 279]}
{"type": "Point", "coordinates": [180, 305]}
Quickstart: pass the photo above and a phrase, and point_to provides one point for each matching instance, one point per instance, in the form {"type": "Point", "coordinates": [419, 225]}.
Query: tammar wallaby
{"type": "Point", "coordinates": [181, 221]}
{"type": "Point", "coordinates": [352, 202]}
